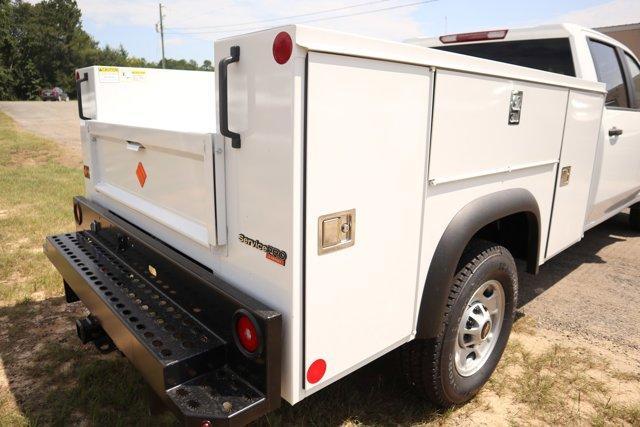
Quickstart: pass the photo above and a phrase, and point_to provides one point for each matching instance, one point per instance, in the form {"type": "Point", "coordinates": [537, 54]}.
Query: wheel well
{"type": "Point", "coordinates": [518, 233]}
{"type": "Point", "coordinates": [509, 217]}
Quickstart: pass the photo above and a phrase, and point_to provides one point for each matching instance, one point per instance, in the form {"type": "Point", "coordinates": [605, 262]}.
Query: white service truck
{"type": "Point", "coordinates": [326, 198]}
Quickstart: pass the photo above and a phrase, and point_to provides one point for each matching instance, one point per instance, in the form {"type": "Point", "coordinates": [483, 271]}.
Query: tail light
{"type": "Point", "coordinates": [474, 37]}
{"type": "Point", "coordinates": [282, 47]}
{"type": "Point", "coordinates": [247, 333]}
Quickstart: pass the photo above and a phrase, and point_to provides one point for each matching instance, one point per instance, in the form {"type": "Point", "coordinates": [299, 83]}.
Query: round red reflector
{"type": "Point", "coordinates": [247, 333]}
{"type": "Point", "coordinates": [206, 423]}
{"type": "Point", "coordinates": [282, 47]}
{"type": "Point", "coordinates": [316, 371]}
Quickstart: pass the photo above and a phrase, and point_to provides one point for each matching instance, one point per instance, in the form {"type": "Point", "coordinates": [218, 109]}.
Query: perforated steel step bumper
{"type": "Point", "coordinates": [171, 317]}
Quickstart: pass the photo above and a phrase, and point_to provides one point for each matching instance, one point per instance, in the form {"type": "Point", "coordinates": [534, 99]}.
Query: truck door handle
{"type": "Point", "coordinates": [614, 131]}
{"type": "Point", "coordinates": [223, 88]}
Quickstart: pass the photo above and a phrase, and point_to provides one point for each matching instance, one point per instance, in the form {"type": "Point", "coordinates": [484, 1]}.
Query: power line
{"type": "Point", "coordinates": [308, 20]}
{"type": "Point", "coordinates": [281, 18]}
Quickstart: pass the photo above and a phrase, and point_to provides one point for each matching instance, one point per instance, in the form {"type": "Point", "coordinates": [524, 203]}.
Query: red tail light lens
{"type": "Point", "coordinates": [282, 47]}
{"type": "Point", "coordinates": [474, 37]}
{"type": "Point", "coordinates": [77, 75]}
{"type": "Point", "coordinates": [247, 333]}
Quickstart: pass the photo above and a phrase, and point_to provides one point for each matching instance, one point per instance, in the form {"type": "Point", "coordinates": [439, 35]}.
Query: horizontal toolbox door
{"type": "Point", "coordinates": [165, 175]}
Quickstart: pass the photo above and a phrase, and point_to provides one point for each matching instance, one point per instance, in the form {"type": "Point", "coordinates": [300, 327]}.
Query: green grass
{"type": "Point", "coordinates": [35, 200]}
{"type": "Point", "coordinates": [61, 382]}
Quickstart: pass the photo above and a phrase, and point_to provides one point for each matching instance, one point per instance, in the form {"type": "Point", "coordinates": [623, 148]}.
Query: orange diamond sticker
{"type": "Point", "coordinates": [141, 174]}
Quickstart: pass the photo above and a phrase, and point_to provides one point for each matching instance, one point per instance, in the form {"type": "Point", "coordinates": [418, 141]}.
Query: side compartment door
{"type": "Point", "coordinates": [367, 133]}
{"type": "Point", "coordinates": [582, 126]}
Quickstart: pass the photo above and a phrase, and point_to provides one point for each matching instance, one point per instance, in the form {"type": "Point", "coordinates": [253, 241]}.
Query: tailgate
{"type": "Point", "coordinates": [167, 176]}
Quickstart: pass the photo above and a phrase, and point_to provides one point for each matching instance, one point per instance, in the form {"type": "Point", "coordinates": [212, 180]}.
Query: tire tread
{"type": "Point", "coordinates": [421, 357]}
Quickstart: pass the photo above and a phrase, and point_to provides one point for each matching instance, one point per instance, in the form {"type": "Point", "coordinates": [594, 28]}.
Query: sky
{"type": "Point", "coordinates": [191, 26]}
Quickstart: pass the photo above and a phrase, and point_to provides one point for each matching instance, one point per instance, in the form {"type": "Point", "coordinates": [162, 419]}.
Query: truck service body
{"type": "Point", "coordinates": [326, 198]}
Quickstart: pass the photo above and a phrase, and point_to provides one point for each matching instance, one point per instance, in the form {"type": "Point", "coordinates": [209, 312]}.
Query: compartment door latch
{"type": "Point", "coordinates": [336, 231]}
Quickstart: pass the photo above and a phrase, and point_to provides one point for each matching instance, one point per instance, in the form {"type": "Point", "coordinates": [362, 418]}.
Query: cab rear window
{"type": "Point", "coordinates": [552, 55]}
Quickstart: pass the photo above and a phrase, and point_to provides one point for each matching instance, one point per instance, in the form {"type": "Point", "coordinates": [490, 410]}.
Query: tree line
{"type": "Point", "coordinates": [42, 44]}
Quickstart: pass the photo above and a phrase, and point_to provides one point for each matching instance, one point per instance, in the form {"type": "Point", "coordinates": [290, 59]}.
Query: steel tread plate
{"type": "Point", "coordinates": [215, 395]}
{"type": "Point", "coordinates": [167, 331]}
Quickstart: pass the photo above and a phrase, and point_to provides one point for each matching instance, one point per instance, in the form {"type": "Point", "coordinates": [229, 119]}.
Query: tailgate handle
{"type": "Point", "coordinates": [85, 78]}
{"type": "Point", "coordinates": [222, 85]}
{"type": "Point", "coordinates": [134, 146]}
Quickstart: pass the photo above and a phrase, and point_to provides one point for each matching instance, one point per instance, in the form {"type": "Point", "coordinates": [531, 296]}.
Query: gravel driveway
{"type": "Point", "coordinates": [53, 120]}
{"type": "Point", "coordinates": [589, 293]}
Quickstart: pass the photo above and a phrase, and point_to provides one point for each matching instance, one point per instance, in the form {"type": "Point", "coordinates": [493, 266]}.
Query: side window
{"type": "Point", "coordinates": [634, 73]}
{"type": "Point", "coordinates": [609, 72]}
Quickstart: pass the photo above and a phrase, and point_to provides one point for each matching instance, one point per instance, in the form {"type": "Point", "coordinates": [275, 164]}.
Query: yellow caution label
{"type": "Point", "coordinates": [108, 74]}
{"type": "Point", "coordinates": [107, 69]}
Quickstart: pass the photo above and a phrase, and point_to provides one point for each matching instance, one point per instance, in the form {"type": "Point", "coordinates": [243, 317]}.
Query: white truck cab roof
{"type": "Point", "coordinates": [576, 35]}
{"type": "Point", "coordinates": [526, 33]}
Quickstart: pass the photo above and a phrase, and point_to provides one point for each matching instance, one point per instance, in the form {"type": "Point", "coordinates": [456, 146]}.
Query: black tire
{"type": "Point", "coordinates": [429, 364]}
{"type": "Point", "coordinates": [634, 218]}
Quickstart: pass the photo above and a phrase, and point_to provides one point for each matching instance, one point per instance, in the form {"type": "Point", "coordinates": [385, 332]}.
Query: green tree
{"type": "Point", "coordinates": [42, 44]}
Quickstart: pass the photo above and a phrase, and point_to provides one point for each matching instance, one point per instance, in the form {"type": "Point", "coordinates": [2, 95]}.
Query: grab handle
{"type": "Point", "coordinates": [85, 78]}
{"type": "Point", "coordinates": [223, 87]}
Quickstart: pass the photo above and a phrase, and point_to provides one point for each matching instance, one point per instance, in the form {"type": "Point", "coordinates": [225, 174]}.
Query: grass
{"type": "Point", "coordinates": [52, 379]}
{"type": "Point", "coordinates": [563, 385]}
{"type": "Point", "coordinates": [35, 198]}
{"type": "Point", "coordinates": [48, 378]}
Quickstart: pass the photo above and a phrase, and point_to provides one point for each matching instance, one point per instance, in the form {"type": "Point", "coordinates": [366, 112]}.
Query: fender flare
{"type": "Point", "coordinates": [464, 225]}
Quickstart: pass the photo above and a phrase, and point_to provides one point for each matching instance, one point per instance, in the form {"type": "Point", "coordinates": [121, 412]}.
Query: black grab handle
{"type": "Point", "coordinates": [222, 87]}
{"type": "Point", "coordinates": [85, 78]}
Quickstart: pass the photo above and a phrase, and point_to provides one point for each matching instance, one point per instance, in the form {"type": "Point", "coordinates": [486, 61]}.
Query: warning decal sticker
{"type": "Point", "coordinates": [108, 75]}
{"type": "Point", "coordinates": [133, 75]}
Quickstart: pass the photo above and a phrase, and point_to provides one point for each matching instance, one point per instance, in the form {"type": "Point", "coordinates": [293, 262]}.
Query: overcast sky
{"type": "Point", "coordinates": [192, 25]}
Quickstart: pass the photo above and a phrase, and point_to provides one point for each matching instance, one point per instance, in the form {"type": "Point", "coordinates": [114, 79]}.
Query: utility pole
{"type": "Point", "coordinates": [162, 36]}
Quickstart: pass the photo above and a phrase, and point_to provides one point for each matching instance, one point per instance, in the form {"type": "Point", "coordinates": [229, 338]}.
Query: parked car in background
{"type": "Point", "coordinates": [54, 94]}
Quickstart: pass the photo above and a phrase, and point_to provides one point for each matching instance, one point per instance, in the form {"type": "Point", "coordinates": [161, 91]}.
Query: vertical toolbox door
{"type": "Point", "coordinates": [581, 130]}
{"type": "Point", "coordinates": [367, 133]}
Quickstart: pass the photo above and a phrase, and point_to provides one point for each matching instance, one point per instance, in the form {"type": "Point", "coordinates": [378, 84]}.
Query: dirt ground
{"type": "Point", "coordinates": [53, 120]}
{"type": "Point", "coordinates": [578, 329]}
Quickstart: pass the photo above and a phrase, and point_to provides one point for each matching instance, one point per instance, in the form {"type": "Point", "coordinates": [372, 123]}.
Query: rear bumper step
{"type": "Point", "coordinates": [171, 318]}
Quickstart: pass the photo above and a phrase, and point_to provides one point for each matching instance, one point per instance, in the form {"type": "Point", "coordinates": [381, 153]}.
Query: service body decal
{"type": "Point", "coordinates": [272, 253]}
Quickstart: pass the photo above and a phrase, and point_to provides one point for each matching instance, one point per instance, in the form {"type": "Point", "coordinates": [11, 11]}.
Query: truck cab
{"type": "Point", "coordinates": [577, 51]}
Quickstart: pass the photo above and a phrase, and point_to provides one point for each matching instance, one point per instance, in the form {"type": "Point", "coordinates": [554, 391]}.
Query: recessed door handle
{"type": "Point", "coordinates": [134, 146]}
{"type": "Point", "coordinates": [614, 131]}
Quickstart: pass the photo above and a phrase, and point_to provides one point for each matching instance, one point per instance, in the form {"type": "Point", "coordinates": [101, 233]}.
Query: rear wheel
{"type": "Point", "coordinates": [452, 367]}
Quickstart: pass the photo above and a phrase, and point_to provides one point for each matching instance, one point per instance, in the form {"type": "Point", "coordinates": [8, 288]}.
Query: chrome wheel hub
{"type": "Point", "coordinates": [479, 328]}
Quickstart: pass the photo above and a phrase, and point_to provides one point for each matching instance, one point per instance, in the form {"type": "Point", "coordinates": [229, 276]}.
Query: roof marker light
{"type": "Point", "coordinates": [474, 37]}
{"type": "Point", "coordinates": [282, 47]}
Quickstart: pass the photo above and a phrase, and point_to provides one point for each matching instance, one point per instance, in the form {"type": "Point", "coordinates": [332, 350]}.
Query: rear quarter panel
{"type": "Point", "coordinates": [475, 152]}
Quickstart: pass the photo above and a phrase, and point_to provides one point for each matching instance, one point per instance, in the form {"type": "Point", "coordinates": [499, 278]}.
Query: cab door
{"type": "Point", "coordinates": [617, 171]}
